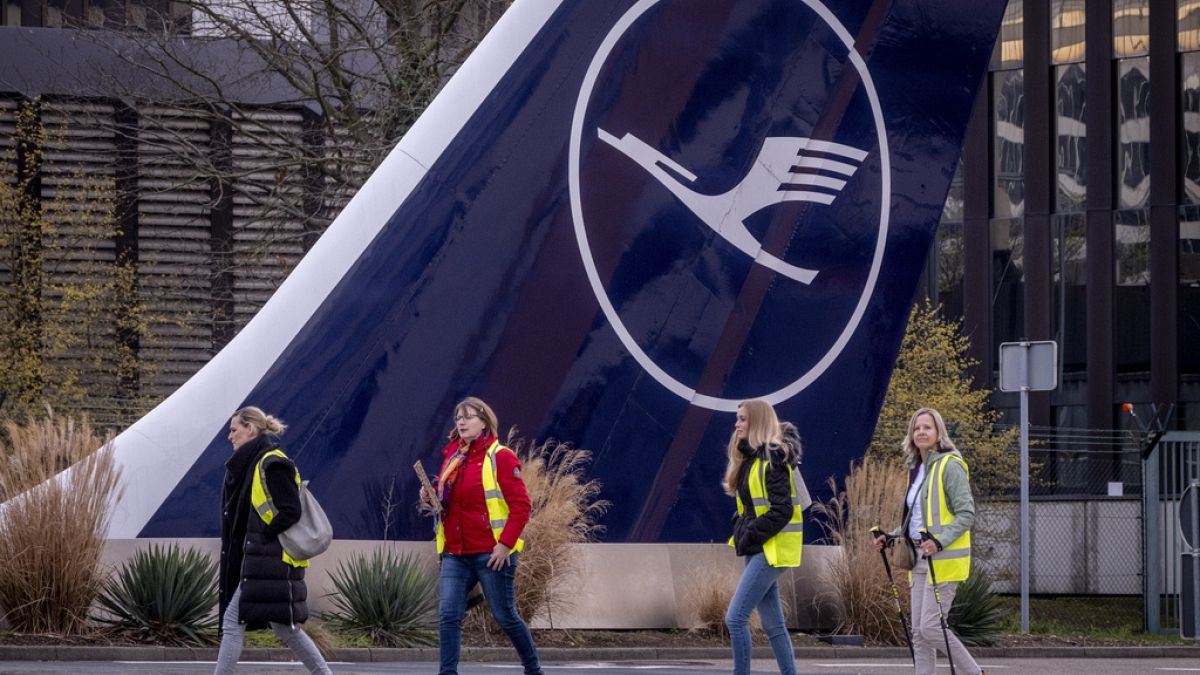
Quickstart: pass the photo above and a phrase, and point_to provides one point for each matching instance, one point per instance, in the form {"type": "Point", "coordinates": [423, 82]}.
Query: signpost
{"type": "Point", "coordinates": [1024, 367]}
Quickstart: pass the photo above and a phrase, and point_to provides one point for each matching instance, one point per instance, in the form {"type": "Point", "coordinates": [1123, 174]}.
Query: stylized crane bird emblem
{"type": "Point", "coordinates": [787, 169]}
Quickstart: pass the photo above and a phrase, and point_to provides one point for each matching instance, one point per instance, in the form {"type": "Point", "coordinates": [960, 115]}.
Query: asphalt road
{"type": "Point", "coordinates": [844, 666]}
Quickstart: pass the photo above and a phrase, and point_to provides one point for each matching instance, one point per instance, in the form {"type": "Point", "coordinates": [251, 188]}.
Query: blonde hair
{"type": "Point", "coordinates": [260, 421]}
{"type": "Point", "coordinates": [944, 444]}
{"type": "Point", "coordinates": [476, 406]}
{"type": "Point", "coordinates": [762, 428]}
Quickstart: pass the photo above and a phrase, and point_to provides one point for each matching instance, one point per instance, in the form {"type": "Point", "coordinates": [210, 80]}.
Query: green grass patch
{"type": "Point", "coordinates": [1108, 618]}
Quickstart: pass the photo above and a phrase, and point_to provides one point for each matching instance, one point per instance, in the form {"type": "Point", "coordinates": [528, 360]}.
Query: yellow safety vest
{"type": "Point", "coordinates": [260, 499]}
{"type": "Point", "coordinates": [497, 508]}
{"type": "Point", "coordinates": [953, 562]}
{"type": "Point", "coordinates": [783, 549]}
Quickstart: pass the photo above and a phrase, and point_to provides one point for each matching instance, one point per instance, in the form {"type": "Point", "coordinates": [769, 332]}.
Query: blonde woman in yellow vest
{"type": "Point", "coordinates": [938, 500]}
{"type": "Point", "coordinates": [763, 475]}
{"type": "Point", "coordinates": [259, 585]}
{"type": "Point", "coordinates": [484, 509]}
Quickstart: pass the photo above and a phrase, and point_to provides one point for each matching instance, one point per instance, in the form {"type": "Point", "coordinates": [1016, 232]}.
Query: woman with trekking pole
{"type": "Point", "coordinates": [763, 474]}
{"type": "Point", "coordinates": [936, 536]}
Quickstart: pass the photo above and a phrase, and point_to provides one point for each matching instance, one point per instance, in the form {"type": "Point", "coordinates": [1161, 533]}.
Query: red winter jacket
{"type": "Point", "coordinates": [465, 520]}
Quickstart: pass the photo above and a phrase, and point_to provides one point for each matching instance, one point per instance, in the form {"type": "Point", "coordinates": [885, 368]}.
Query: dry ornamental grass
{"type": "Point", "coordinates": [565, 511]}
{"type": "Point", "coordinates": [51, 531]}
{"type": "Point", "coordinates": [873, 496]}
{"type": "Point", "coordinates": [706, 599]}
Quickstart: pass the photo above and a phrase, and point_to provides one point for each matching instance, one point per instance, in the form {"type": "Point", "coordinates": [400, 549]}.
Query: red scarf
{"type": "Point", "coordinates": [451, 470]}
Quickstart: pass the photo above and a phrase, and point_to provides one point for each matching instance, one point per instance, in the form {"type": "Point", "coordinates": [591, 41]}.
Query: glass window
{"type": "Point", "coordinates": [949, 253]}
{"type": "Point", "coordinates": [1189, 292]}
{"type": "Point", "coordinates": [10, 12]}
{"type": "Point", "coordinates": [93, 16]}
{"type": "Point", "coordinates": [1131, 28]}
{"type": "Point", "coordinates": [1008, 281]}
{"type": "Point", "coordinates": [181, 16]}
{"type": "Point", "coordinates": [54, 15]}
{"type": "Point", "coordinates": [1131, 295]}
{"type": "Point", "coordinates": [1133, 133]}
{"type": "Point", "coordinates": [102, 13]}
{"type": "Point", "coordinates": [1070, 146]}
{"type": "Point", "coordinates": [135, 15]}
{"type": "Point", "coordinates": [1067, 30]}
{"type": "Point", "coordinates": [952, 208]}
{"type": "Point", "coordinates": [1070, 285]}
{"type": "Point", "coordinates": [1008, 153]}
{"type": "Point", "coordinates": [1189, 25]}
{"type": "Point", "coordinates": [1189, 101]}
{"type": "Point", "coordinates": [1010, 46]}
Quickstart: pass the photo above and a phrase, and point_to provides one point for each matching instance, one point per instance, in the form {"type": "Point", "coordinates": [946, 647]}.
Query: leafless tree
{"type": "Point", "coordinates": [281, 107]}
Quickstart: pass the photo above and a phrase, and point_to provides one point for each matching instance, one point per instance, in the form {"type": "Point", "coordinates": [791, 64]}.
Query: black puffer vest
{"type": "Point", "coordinates": [272, 590]}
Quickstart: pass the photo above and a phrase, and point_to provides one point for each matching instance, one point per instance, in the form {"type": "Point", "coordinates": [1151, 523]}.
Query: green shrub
{"type": "Point", "coordinates": [977, 616]}
{"type": "Point", "coordinates": [387, 597]}
{"type": "Point", "coordinates": [163, 595]}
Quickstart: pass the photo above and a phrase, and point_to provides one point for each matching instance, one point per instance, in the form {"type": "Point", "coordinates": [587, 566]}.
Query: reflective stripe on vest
{"type": "Point", "coordinates": [493, 498]}
{"type": "Point", "coordinates": [953, 562]}
{"type": "Point", "coordinates": [785, 548]}
{"type": "Point", "coordinates": [260, 498]}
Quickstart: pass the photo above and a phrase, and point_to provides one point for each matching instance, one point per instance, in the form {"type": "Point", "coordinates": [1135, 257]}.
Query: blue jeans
{"type": "Point", "coordinates": [459, 574]}
{"type": "Point", "coordinates": [759, 588]}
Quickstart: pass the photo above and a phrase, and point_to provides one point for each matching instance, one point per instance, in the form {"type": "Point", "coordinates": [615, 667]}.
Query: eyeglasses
{"type": "Point", "coordinates": [464, 418]}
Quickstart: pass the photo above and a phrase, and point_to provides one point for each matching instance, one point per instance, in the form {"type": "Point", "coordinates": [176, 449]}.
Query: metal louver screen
{"type": "Point", "coordinates": [174, 245]}
{"type": "Point", "coordinates": [8, 175]}
{"type": "Point", "coordinates": [78, 183]}
{"type": "Point", "coordinates": [268, 225]}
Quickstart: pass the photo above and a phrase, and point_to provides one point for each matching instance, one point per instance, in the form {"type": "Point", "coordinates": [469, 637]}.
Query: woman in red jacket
{"type": "Point", "coordinates": [484, 509]}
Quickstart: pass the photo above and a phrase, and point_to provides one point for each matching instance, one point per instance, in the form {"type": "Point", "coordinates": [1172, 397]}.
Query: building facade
{"type": "Point", "coordinates": [1075, 212]}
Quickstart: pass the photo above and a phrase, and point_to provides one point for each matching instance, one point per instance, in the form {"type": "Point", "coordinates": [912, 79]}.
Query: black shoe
{"type": "Point", "coordinates": [474, 597]}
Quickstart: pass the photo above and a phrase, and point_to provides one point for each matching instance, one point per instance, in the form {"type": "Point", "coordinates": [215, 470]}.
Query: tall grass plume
{"type": "Point", "coordinates": [706, 599]}
{"type": "Point", "coordinates": [52, 529]}
{"type": "Point", "coordinates": [566, 509]}
{"type": "Point", "coordinates": [873, 496]}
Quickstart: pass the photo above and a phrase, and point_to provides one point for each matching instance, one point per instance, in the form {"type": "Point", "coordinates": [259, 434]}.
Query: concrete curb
{"type": "Point", "coordinates": [561, 654]}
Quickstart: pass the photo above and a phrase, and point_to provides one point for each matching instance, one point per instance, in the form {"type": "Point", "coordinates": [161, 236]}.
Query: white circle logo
{"type": "Point", "coordinates": [787, 168]}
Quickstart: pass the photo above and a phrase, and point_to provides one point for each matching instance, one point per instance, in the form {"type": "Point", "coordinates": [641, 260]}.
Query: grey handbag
{"type": "Point", "coordinates": [310, 536]}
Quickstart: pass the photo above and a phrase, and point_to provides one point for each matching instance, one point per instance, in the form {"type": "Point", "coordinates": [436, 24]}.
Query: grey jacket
{"type": "Point", "coordinates": [958, 499]}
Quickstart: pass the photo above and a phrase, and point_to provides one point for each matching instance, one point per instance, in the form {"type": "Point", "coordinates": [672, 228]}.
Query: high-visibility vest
{"type": "Point", "coordinates": [783, 549]}
{"type": "Point", "coordinates": [497, 508]}
{"type": "Point", "coordinates": [260, 498]}
{"type": "Point", "coordinates": [953, 562]}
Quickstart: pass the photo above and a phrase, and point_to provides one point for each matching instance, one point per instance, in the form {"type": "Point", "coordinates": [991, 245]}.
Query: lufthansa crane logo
{"type": "Point", "coordinates": [786, 169]}
{"type": "Point", "coordinates": [778, 176]}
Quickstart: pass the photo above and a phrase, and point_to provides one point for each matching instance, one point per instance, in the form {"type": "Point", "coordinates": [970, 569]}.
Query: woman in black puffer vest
{"type": "Point", "coordinates": [258, 586]}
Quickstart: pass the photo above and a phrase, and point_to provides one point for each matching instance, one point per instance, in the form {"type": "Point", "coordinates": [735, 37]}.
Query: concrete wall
{"type": "Point", "coordinates": [620, 585]}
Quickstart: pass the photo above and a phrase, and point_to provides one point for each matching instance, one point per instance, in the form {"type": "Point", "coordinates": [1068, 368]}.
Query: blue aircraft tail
{"type": "Point", "coordinates": [617, 221]}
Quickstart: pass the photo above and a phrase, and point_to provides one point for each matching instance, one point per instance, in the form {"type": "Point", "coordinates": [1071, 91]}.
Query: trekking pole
{"type": "Point", "coordinates": [887, 566]}
{"type": "Point", "coordinates": [937, 597]}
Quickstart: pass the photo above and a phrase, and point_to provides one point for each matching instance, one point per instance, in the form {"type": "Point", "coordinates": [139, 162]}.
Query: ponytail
{"type": "Point", "coordinates": [261, 421]}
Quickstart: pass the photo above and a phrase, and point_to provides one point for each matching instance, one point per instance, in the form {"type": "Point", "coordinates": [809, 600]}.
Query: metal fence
{"type": "Point", "coordinates": [1086, 528]}
{"type": "Point", "coordinates": [1170, 468]}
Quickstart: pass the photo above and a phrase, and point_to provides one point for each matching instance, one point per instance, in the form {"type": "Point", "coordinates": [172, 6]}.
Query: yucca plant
{"type": "Point", "coordinates": [386, 597]}
{"type": "Point", "coordinates": [977, 616]}
{"type": "Point", "coordinates": [164, 595]}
